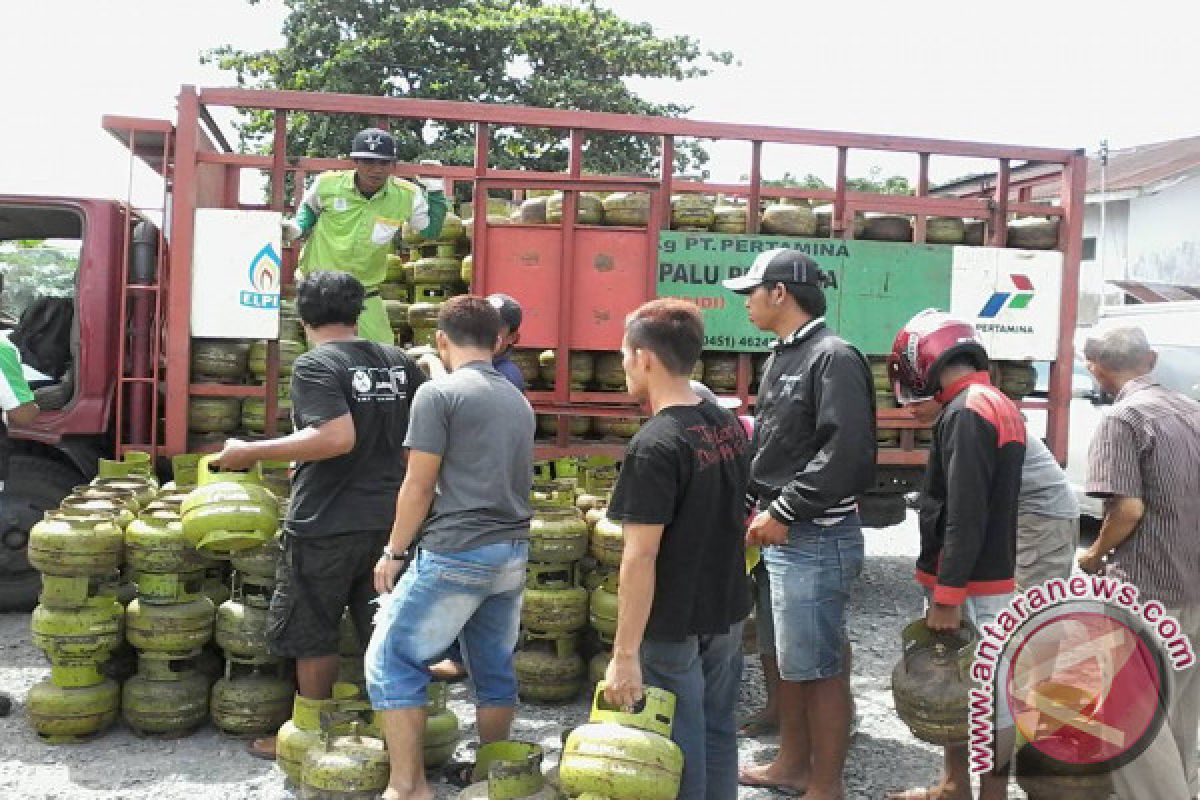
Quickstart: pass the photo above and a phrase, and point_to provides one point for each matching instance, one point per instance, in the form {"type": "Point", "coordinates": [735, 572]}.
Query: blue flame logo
{"type": "Point", "coordinates": [264, 275]}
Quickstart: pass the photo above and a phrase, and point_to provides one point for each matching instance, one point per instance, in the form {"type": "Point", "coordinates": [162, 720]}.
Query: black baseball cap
{"type": "Point", "coordinates": [780, 265]}
{"type": "Point", "coordinates": [373, 144]}
{"type": "Point", "coordinates": [509, 309]}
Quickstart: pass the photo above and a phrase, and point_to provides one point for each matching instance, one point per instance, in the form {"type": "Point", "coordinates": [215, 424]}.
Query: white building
{"type": "Point", "coordinates": [1141, 224]}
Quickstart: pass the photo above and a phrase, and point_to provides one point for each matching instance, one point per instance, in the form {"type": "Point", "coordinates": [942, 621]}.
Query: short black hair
{"type": "Point", "coordinates": [470, 321]}
{"type": "Point", "coordinates": [670, 328]}
{"type": "Point", "coordinates": [811, 299]}
{"type": "Point", "coordinates": [509, 308]}
{"type": "Point", "coordinates": [329, 298]}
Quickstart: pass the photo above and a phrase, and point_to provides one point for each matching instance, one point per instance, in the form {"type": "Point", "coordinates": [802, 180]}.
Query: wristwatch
{"type": "Point", "coordinates": [388, 554]}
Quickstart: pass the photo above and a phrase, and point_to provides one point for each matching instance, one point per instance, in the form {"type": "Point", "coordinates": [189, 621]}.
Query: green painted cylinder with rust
{"type": "Point", "coordinates": [258, 562]}
{"type": "Point", "coordinates": [84, 635]}
{"type": "Point", "coordinates": [63, 714]}
{"type": "Point", "coordinates": [598, 666]}
{"type": "Point", "coordinates": [549, 669]}
{"type": "Point", "coordinates": [251, 702]}
{"type": "Point", "coordinates": [554, 602]}
{"type": "Point", "coordinates": [720, 371]}
{"type": "Point", "coordinates": [178, 628]}
{"type": "Point", "coordinates": [143, 487]}
{"type": "Point", "coordinates": [527, 362]}
{"type": "Point", "coordinates": [610, 374]}
{"type": "Point", "coordinates": [74, 544]}
{"type": "Point", "coordinates": [607, 542]}
{"type": "Point", "coordinates": [154, 542]}
{"type": "Point", "coordinates": [622, 755]}
{"type": "Point", "coordinates": [345, 768]}
{"type": "Point", "coordinates": [602, 607]}
{"type": "Point", "coordinates": [241, 629]}
{"type": "Point", "coordinates": [441, 727]}
{"type": "Point", "coordinates": [557, 535]}
{"type": "Point", "coordinates": [550, 493]}
{"type": "Point", "coordinates": [302, 732]}
{"type": "Point", "coordinates": [122, 509]}
{"type": "Point", "coordinates": [165, 696]}
{"type": "Point", "coordinates": [227, 517]}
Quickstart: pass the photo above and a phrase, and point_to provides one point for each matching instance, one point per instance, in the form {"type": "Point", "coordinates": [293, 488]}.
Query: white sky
{"type": "Point", "coordinates": [1055, 72]}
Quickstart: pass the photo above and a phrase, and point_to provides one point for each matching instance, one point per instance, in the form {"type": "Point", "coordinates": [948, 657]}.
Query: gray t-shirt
{"type": "Point", "coordinates": [1044, 486]}
{"type": "Point", "coordinates": [482, 427]}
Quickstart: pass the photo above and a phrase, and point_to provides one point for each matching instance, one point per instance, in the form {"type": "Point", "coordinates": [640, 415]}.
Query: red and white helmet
{"type": "Point", "coordinates": [923, 346]}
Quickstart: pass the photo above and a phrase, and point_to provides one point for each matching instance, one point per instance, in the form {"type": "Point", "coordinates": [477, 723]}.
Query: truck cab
{"type": "Point", "coordinates": [60, 259]}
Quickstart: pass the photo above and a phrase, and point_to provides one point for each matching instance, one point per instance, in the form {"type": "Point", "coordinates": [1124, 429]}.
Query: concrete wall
{"type": "Point", "coordinates": [1164, 235]}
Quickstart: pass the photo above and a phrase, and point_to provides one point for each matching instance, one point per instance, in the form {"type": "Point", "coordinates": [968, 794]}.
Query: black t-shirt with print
{"type": "Point", "coordinates": [687, 469]}
{"type": "Point", "coordinates": [356, 491]}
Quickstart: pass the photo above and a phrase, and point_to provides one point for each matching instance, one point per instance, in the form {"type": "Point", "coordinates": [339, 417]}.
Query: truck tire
{"type": "Point", "coordinates": [881, 510]}
{"type": "Point", "coordinates": [35, 485]}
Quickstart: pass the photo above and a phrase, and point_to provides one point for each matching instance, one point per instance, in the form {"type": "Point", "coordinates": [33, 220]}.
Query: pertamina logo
{"type": "Point", "coordinates": [1014, 301]}
{"type": "Point", "coordinates": [264, 279]}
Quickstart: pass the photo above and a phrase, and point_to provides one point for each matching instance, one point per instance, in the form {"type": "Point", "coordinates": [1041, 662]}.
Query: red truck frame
{"type": "Point", "coordinates": [203, 170]}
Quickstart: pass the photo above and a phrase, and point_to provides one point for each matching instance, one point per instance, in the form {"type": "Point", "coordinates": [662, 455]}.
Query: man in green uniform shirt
{"type": "Point", "coordinates": [17, 402]}
{"type": "Point", "coordinates": [351, 217]}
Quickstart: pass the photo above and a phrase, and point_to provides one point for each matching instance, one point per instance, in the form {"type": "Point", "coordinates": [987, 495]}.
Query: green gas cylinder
{"type": "Point", "coordinates": [73, 704]}
{"type": "Point", "coordinates": [607, 542]}
{"type": "Point", "coordinates": [143, 487]}
{"type": "Point", "coordinates": [624, 755]}
{"type": "Point", "coordinates": [441, 727]}
{"type": "Point", "coordinates": [77, 636]}
{"type": "Point", "coordinates": [549, 668]}
{"type": "Point", "coordinates": [602, 609]}
{"type": "Point", "coordinates": [554, 602]}
{"type": "Point", "coordinates": [121, 510]}
{"type": "Point", "coordinates": [557, 534]}
{"type": "Point", "coordinates": [241, 628]}
{"type": "Point", "coordinates": [227, 517]}
{"type": "Point", "coordinates": [180, 628]}
{"type": "Point", "coordinates": [302, 732]}
{"type": "Point", "coordinates": [353, 767]}
{"type": "Point", "coordinates": [610, 374]}
{"type": "Point", "coordinates": [154, 542]}
{"type": "Point", "coordinates": [508, 770]}
{"type": "Point", "coordinates": [166, 696]}
{"type": "Point", "coordinates": [252, 699]}
{"type": "Point", "coordinates": [72, 544]}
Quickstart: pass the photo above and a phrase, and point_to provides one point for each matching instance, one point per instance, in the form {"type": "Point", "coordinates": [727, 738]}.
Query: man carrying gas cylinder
{"type": "Point", "coordinates": [350, 218]}
{"type": "Point", "coordinates": [683, 588]}
{"type": "Point", "coordinates": [968, 508]}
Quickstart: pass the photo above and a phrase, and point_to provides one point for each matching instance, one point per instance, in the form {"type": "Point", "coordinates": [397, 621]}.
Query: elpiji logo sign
{"type": "Point", "coordinates": [263, 275]}
{"type": "Point", "coordinates": [1013, 301]}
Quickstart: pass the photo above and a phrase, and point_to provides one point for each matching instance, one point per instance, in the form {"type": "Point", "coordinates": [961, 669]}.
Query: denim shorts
{"type": "Point", "coordinates": [473, 596]}
{"type": "Point", "coordinates": [810, 579]}
{"type": "Point", "coordinates": [985, 609]}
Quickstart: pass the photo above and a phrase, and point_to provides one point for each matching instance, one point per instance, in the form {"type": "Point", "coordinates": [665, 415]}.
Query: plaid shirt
{"type": "Point", "coordinates": [1148, 446]}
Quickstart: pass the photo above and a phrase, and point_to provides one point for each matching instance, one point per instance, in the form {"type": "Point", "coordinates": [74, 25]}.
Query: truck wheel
{"type": "Point", "coordinates": [881, 510]}
{"type": "Point", "coordinates": [35, 485]}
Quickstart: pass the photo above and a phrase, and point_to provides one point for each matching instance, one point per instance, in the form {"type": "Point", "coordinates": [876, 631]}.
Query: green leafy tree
{"type": "Point", "coordinates": [872, 182]}
{"type": "Point", "coordinates": [31, 269]}
{"type": "Point", "coordinates": [525, 52]}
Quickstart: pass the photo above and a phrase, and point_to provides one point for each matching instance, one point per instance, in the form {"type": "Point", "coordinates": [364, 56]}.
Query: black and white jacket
{"type": "Point", "coordinates": [814, 428]}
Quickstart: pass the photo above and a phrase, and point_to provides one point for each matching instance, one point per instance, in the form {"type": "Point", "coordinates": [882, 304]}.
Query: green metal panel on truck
{"type": "Point", "coordinates": [880, 285]}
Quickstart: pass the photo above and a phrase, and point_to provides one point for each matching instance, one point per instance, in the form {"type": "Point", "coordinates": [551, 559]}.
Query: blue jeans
{"type": "Point", "coordinates": [475, 595]}
{"type": "Point", "coordinates": [810, 578]}
{"type": "Point", "coordinates": [703, 672]}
